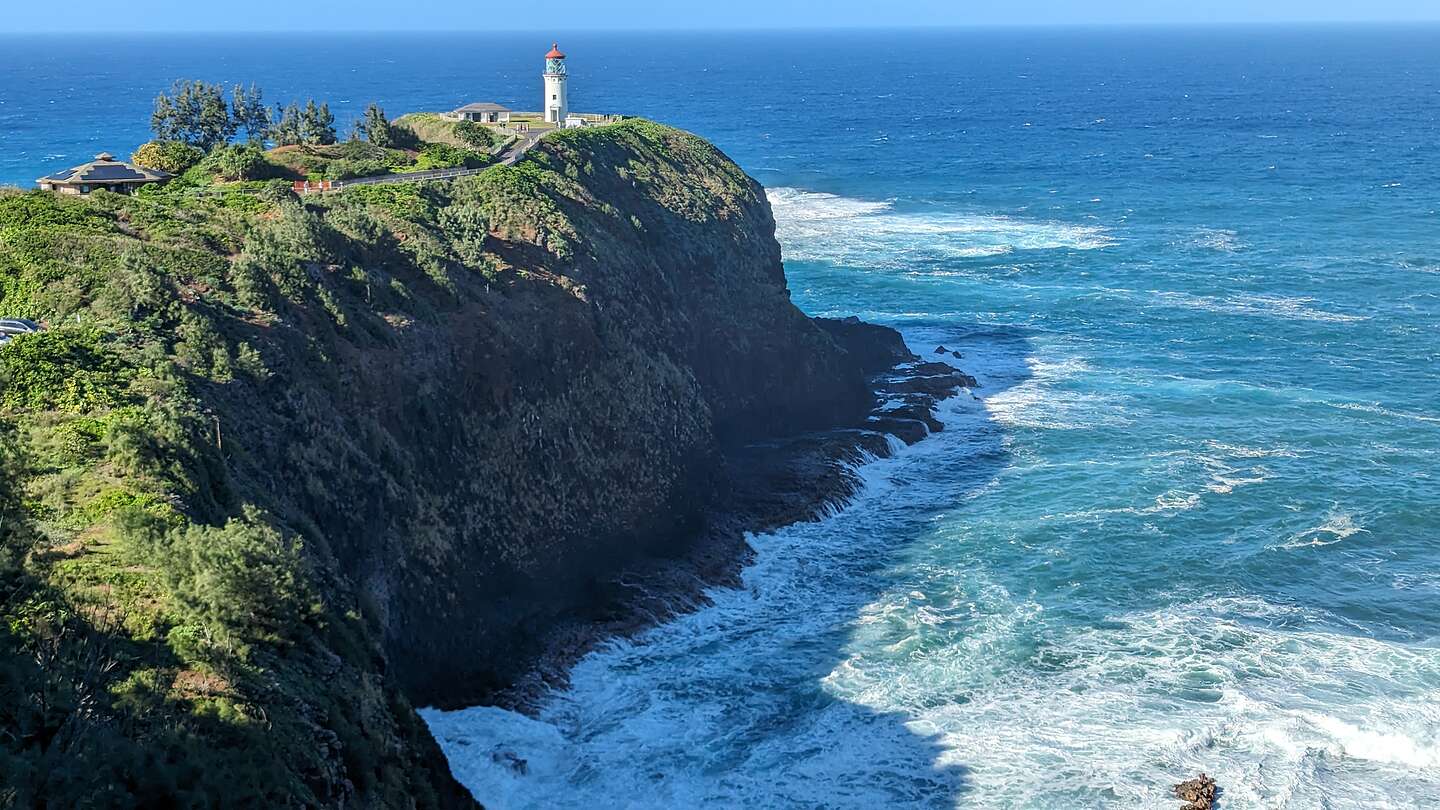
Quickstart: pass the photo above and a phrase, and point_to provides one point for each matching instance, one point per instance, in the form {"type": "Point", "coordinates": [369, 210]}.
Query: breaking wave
{"type": "Point", "coordinates": [816, 226]}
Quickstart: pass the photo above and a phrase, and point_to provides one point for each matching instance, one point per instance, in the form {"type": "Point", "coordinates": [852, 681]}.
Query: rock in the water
{"type": "Point", "coordinates": [1198, 793]}
{"type": "Point", "coordinates": [923, 411]}
{"type": "Point", "coordinates": [957, 355]}
{"type": "Point", "coordinates": [932, 368]}
{"type": "Point", "coordinates": [940, 385]}
{"type": "Point", "coordinates": [909, 431]}
{"type": "Point", "coordinates": [511, 760]}
{"type": "Point", "coordinates": [941, 350]}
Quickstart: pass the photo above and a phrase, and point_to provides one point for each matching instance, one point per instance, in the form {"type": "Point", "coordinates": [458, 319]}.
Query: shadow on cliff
{"type": "Point", "coordinates": [760, 698]}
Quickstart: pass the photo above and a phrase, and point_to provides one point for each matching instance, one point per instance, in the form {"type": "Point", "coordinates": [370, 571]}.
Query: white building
{"type": "Point", "coordinates": [557, 101]}
{"type": "Point", "coordinates": [485, 112]}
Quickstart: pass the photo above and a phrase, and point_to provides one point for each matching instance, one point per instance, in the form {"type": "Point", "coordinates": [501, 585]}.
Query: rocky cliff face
{"type": "Point", "coordinates": [301, 462]}
{"type": "Point", "coordinates": [476, 476]}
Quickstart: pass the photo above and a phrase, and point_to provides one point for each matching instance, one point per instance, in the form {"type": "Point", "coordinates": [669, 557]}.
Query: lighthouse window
{"type": "Point", "coordinates": [554, 96]}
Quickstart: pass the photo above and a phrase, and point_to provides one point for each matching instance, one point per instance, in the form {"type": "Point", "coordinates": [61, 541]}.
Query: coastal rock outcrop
{"type": "Point", "coordinates": [306, 463]}
{"type": "Point", "coordinates": [1198, 793]}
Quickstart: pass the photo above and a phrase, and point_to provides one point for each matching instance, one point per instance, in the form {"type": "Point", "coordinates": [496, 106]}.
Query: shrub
{"type": "Point", "coordinates": [474, 134]}
{"type": "Point", "coordinates": [443, 156]}
{"type": "Point", "coordinates": [174, 157]}
{"type": "Point", "coordinates": [407, 200]}
{"type": "Point", "coordinates": [62, 369]}
{"type": "Point", "coordinates": [347, 169]}
{"type": "Point", "coordinates": [467, 226]}
{"type": "Point", "coordinates": [36, 209]}
{"type": "Point", "coordinates": [244, 582]}
{"type": "Point", "coordinates": [244, 161]}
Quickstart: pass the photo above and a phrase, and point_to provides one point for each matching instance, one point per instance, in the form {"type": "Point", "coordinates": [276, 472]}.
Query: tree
{"type": "Point", "coordinates": [244, 161]}
{"type": "Point", "coordinates": [285, 126]}
{"type": "Point", "coordinates": [249, 112]}
{"type": "Point", "coordinates": [375, 126]}
{"type": "Point", "coordinates": [313, 124]}
{"type": "Point", "coordinates": [195, 113]}
{"type": "Point", "coordinates": [317, 124]}
{"type": "Point", "coordinates": [167, 156]}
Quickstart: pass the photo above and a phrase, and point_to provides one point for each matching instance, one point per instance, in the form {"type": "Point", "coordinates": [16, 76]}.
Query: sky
{"type": "Point", "coordinates": [571, 15]}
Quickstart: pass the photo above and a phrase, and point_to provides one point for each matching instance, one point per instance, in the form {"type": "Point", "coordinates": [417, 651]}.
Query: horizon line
{"type": "Point", "coordinates": [905, 27]}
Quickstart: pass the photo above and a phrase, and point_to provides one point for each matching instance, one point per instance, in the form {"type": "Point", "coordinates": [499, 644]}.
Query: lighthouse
{"type": "Point", "coordinates": [557, 104]}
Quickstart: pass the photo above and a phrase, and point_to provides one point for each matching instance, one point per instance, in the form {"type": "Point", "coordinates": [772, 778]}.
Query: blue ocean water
{"type": "Point", "coordinates": [1190, 523]}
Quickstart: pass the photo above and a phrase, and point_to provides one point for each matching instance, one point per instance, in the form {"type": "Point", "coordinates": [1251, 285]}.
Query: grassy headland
{"type": "Point", "coordinates": [265, 439]}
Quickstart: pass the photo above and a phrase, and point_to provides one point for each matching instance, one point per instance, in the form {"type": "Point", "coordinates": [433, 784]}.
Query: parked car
{"type": "Point", "coordinates": [10, 327]}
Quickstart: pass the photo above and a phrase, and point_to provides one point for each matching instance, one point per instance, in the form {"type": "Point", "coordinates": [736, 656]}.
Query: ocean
{"type": "Point", "coordinates": [1190, 523]}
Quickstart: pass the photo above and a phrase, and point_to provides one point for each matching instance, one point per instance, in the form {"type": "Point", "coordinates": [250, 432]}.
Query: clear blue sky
{"type": "Point", "coordinates": [561, 15]}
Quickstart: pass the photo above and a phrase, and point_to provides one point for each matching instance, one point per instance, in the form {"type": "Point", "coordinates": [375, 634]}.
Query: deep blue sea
{"type": "Point", "coordinates": [1192, 521]}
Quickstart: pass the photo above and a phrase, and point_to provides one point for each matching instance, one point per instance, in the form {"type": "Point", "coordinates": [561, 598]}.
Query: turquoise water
{"type": "Point", "coordinates": [1189, 524]}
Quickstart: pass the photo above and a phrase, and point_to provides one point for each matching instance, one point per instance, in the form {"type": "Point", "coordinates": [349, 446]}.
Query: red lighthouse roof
{"type": "Point", "coordinates": [555, 52]}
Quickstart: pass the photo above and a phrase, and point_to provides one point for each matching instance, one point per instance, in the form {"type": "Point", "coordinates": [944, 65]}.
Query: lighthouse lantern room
{"type": "Point", "coordinates": [557, 105]}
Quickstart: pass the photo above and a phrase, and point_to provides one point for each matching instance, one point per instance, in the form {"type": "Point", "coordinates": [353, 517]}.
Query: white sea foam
{"type": "Point", "coordinates": [815, 226]}
{"type": "Point", "coordinates": [1217, 239]}
{"type": "Point", "coordinates": [1271, 306]}
{"type": "Point", "coordinates": [1123, 711]}
{"type": "Point", "coordinates": [1046, 400]}
{"type": "Point", "coordinates": [953, 685]}
{"type": "Point", "coordinates": [1380, 410]}
{"type": "Point", "coordinates": [1338, 526]}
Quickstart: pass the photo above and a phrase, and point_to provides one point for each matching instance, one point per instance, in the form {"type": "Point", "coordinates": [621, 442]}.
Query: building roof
{"type": "Point", "coordinates": [555, 52]}
{"type": "Point", "coordinates": [483, 106]}
{"type": "Point", "coordinates": [105, 170]}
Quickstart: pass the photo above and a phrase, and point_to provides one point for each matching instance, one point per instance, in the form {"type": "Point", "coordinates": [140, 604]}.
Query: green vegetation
{"type": "Point", "coordinates": [161, 627]}
{"type": "Point", "coordinates": [423, 128]}
{"type": "Point", "coordinates": [312, 124]}
{"type": "Point", "coordinates": [375, 127]}
{"type": "Point", "coordinates": [340, 161]}
{"type": "Point", "coordinates": [194, 112]}
{"type": "Point", "coordinates": [174, 157]}
{"type": "Point", "coordinates": [174, 626]}
{"type": "Point", "coordinates": [194, 125]}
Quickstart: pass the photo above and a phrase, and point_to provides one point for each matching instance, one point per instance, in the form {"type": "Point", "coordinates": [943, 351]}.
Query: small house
{"type": "Point", "coordinates": [104, 172]}
{"type": "Point", "coordinates": [484, 112]}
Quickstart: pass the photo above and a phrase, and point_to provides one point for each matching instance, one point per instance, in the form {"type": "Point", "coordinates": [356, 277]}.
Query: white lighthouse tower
{"type": "Point", "coordinates": [557, 103]}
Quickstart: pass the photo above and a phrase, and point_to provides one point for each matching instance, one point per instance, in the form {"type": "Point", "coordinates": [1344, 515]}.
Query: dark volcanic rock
{"type": "Point", "coordinates": [1198, 793]}
{"type": "Point", "coordinates": [875, 348]}
{"type": "Point", "coordinates": [923, 411]}
{"type": "Point", "coordinates": [940, 385]}
{"type": "Point", "coordinates": [932, 368]}
{"type": "Point", "coordinates": [909, 431]}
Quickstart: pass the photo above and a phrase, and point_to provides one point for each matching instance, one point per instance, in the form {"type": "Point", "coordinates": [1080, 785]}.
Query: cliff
{"type": "Point", "coordinates": [281, 469]}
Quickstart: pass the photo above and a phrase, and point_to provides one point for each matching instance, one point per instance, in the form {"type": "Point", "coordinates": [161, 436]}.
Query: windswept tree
{"type": "Point", "coordinates": [375, 126]}
{"type": "Point", "coordinates": [194, 112]}
{"type": "Point", "coordinates": [312, 124]}
{"type": "Point", "coordinates": [317, 124]}
{"type": "Point", "coordinates": [285, 125]}
{"type": "Point", "coordinates": [248, 110]}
